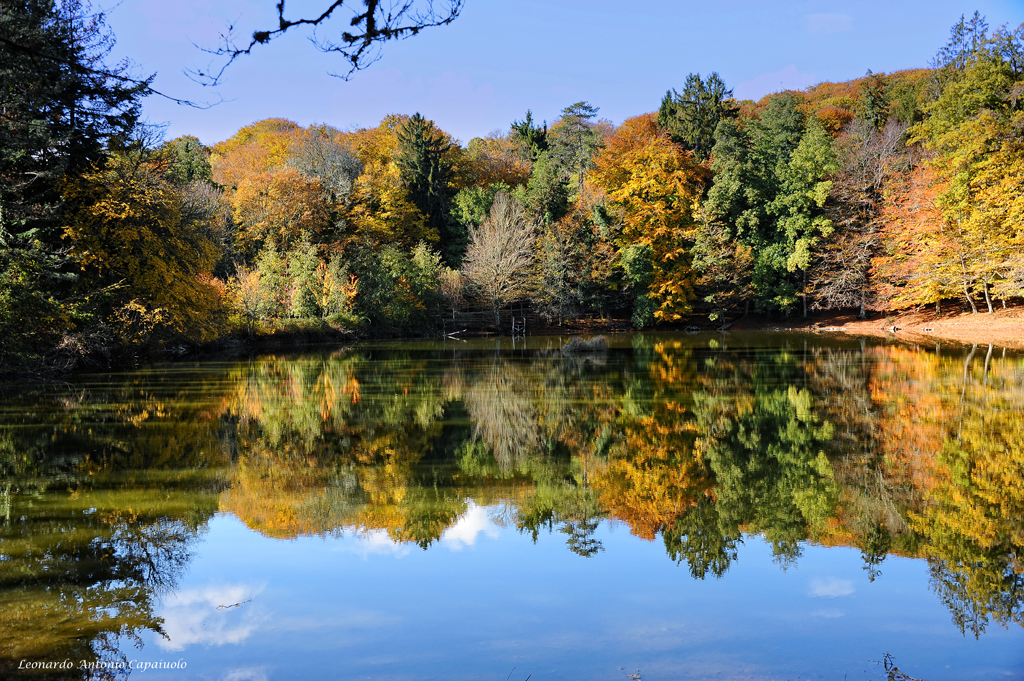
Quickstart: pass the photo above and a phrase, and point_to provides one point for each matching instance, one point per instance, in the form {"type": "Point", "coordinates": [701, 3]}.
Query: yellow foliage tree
{"type": "Point", "coordinates": [280, 205]}
{"type": "Point", "coordinates": [129, 227]}
{"type": "Point", "coordinates": [382, 212]}
{"type": "Point", "coordinates": [653, 185]}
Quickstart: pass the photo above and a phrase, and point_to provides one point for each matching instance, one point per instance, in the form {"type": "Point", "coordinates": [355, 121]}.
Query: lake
{"type": "Point", "coordinates": [744, 506]}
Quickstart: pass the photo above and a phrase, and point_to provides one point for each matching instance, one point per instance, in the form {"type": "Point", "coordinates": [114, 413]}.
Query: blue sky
{"type": "Point", "coordinates": [502, 57]}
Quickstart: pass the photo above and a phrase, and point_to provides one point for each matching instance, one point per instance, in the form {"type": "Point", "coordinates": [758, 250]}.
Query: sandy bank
{"type": "Point", "coordinates": [1003, 327]}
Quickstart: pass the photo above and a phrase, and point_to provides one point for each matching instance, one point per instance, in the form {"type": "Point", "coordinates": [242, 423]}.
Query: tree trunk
{"type": "Point", "coordinates": [805, 294]}
{"type": "Point", "coordinates": [938, 306]}
{"type": "Point", "coordinates": [988, 301]}
{"type": "Point", "coordinates": [967, 294]}
{"type": "Point", "coordinates": [863, 314]}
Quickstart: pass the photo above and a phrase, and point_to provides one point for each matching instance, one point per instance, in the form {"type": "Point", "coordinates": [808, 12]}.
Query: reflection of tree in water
{"type": "Point", "coordinates": [105, 493]}
{"type": "Point", "coordinates": [499, 402]}
{"type": "Point", "coordinates": [572, 510]}
{"type": "Point", "coordinates": [327, 444]}
{"type": "Point", "coordinates": [886, 449]}
{"type": "Point", "coordinates": [764, 440]}
{"type": "Point", "coordinates": [79, 582]}
{"type": "Point", "coordinates": [552, 419]}
{"type": "Point", "coordinates": [875, 547]}
{"type": "Point", "coordinates": [978, 589]}
{"type": "Point", "coordinates": [697, 538]}
{"type": "Point", "coordinates": [972, 519]}
{"type": "Point", "coordinates": [873, 494]}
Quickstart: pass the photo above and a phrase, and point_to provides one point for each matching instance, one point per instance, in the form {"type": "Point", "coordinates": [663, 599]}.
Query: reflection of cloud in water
{"type": "Point", "coordinates": [831, 587]}
{"type": "Point", "coordinates": [465, 531]}
{"type": "Point", "coordinates": [828, 614]}
{"type": "Point", "coordinates": [247, 674]}
{"type": "Point", "coordinates": [372, 542]}
{"type": "Point", "coordinates": [191, 616]}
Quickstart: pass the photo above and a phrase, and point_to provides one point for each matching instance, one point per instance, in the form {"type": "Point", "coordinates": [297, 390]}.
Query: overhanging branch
{"type": "Point", "coordinates": [378, 21]}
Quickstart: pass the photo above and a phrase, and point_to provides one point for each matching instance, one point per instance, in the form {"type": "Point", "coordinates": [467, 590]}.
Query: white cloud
{"type": "Point", "coordinates": [788, 78]}
{"type": "Point", "coordinates": [824, 24]}
{"type": "Point", "coordinates": [831, 587]}
{"type": "Point", "coordinates": [191, 616]}
{"type": "Point", "coordinates": [469, 526]}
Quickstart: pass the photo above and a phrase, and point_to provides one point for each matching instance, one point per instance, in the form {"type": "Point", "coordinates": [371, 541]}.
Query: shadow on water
{"type": "Point", "coordinates": [109, 483]}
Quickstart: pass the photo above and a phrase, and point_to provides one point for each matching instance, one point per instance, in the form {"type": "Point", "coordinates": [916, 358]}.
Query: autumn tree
{"type": "Point", "coordinates": [572, 269]}
{"type": "Point", "coordinates": [912, 267]}
{"type": "Point", "coordinates": [499, 158]}
{"type": "Point", "coordinates": [869, 162]}
{"type": "Point", "coordinates": [255, 149]}
{"type": "Point", "coordinates": [381, 210]}
{"type": "Point", "coordinates": [282, 180]}
{"type": "Point", "coordinates": [317, 152]}
{"type": "Point", "coordinates": [279, 205]}
{"type": "Point", "coordinates": [130, 228]}
{"type": "Point", "coordinates": [652, 186]}
{"type": "Point", "coordinates": [972, 131]}
{"type": "Point", "coordinates": [499, 254]}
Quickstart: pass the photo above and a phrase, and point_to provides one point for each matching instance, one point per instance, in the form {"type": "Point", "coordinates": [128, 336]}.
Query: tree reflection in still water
{"type": "Point", "coordinates": [892, 450]}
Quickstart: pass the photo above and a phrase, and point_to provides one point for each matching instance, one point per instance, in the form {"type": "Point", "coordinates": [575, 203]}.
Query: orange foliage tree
{"type": "Point", "coordinates": [499, 158]}
{"type": "Point", "coordinates": [918, 249]}
{"type": "Point", "coordinates": [254, 149]}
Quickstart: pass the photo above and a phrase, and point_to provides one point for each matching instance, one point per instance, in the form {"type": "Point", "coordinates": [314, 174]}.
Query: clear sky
{"type": "Point", "coordinates": [502, 57]}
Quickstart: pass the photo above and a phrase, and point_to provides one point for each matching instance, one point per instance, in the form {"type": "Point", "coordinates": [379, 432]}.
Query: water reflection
{"type": "Point", "coordinates": [108, 485]}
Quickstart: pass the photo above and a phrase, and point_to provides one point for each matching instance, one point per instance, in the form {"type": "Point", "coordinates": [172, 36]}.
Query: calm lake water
{"type": "Point", "coordinates": [677, 507]}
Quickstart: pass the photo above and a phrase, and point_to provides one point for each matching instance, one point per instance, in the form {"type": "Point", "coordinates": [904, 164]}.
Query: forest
{"type": "Point", "coordinates": [884, 193]}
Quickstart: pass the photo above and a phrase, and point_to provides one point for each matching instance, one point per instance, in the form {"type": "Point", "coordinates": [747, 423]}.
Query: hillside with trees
{"type": "Point", "coordinates": [889, 192]}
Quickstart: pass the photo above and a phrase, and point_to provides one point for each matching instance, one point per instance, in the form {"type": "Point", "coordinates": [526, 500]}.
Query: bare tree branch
{"type": "Point", "coordinates": [143, 83]}
{"type": "Point", "coordinates": [377, 22]}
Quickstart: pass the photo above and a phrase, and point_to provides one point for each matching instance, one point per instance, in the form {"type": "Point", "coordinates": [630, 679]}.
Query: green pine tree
{"type": "Point", "coordinates": [424, 158]}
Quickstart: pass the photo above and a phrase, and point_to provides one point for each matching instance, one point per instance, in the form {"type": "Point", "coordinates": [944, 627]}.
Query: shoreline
{"type": "Point", "coordinates": [1003, 328]}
